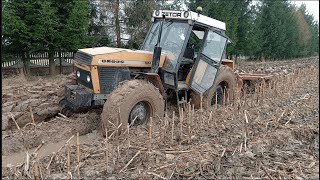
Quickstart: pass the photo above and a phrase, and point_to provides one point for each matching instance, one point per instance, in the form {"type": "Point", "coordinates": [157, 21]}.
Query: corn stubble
{"type": "Point", "coordinates": [256, 135]}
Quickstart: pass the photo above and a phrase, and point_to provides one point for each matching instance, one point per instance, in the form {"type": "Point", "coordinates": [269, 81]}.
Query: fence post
{"type": "Point", "coordinates": [73, 54]}
{"type": "Point", "coordinates": [60, 61]}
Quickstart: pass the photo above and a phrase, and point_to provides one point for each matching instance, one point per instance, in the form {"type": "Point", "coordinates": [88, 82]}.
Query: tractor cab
{"type": "Point", "coordinates": [181, 57]}
{"type": "Point", "coordinates": [194, 45]}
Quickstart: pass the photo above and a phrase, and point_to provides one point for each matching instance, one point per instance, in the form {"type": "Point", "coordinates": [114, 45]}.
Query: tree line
{"type": "Point", "coordinates": [263, 29]}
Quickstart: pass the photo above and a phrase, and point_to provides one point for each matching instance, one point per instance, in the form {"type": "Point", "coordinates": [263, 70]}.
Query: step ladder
{"type": "Point", "coordinates": [182, 86]}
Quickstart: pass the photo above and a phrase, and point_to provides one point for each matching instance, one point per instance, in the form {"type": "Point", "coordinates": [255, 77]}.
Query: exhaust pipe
{"type": "Point", "coordinates": [157, 51]}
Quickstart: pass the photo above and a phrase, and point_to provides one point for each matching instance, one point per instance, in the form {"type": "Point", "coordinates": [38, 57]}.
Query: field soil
{"type": "Point", "coordinates": [271, 132]}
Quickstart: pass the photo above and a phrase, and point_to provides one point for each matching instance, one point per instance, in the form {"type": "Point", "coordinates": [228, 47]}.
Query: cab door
{"type": "Point", "coordinates": [208, 62]}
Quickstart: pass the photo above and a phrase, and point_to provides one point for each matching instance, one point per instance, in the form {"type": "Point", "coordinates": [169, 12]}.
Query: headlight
{"type": "Point", "coordinates": [78, 74]}
{"type": "Point", "coordinates": [88, 78]}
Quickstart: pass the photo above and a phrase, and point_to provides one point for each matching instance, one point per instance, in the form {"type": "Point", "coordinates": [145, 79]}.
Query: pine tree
{"type": "Point", "coordinates": [28, 27]}
{"type": "Point", "coordinates": [254, 41]}
{"type": "Point", "coordinates": [97, 35]}
{"type": "Point", "coordinates": [44, 26]}
{"type": "Point", "coordinates": [244, 27]}
{"type": "Point", "coordinates": [138, 13]}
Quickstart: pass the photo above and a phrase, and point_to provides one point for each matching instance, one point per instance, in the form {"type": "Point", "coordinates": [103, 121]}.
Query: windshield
{"type": "Point", "coordinates": [172, 38]}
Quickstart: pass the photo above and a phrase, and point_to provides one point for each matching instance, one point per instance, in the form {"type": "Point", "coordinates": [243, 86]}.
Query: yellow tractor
{"type": "Point", "coordinates": [182, 58]}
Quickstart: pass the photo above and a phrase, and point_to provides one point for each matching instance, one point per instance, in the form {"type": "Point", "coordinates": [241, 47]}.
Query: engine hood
{"type": "Point", "coordinates": [107, 56]}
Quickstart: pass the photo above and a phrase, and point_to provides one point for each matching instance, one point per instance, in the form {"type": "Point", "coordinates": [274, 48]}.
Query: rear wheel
{"type": "Point", "coordinates": [132, 102]}
{"type": "Point", "coordinates": [225, 83]}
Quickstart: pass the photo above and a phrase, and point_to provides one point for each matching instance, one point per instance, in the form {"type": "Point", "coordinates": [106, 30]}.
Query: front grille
{"type": "Point", "coordinates": [110, 77]}
{"type": "Point", "coordinates": [83, 78]}
{"type": "Point", "coordinates": [83, 58]}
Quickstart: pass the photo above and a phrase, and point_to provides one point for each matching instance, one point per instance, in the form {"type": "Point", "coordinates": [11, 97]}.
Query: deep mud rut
{"type": "Point", "coordinates": [270, 134]}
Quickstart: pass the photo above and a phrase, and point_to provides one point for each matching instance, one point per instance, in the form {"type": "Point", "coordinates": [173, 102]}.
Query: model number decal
{"type": "Point", "coordinates": [111, 61]}
{"type": "Point", "coordinates": [107, 61]}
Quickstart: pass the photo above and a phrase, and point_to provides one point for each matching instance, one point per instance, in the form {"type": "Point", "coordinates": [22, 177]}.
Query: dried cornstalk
{"type": "Point", "coordinates": [265, 170]}
{"type": "Point", "coordinates": [128, 129]}
{"type": "Point", "coordinates": [54, 154]}
{"type": "Point", "coordinates": [32, 117]}
{"type": "Point", "coordinates": [15, 122]}
{"type": "Point", "coordinates": [223, 152]}
{"type": "Point", "coordinates": [210, 118]}
{"type": "Point", "coordinates": [157, 175]}
{"type": "Point", "coordinates": [224, 98]}
{"type": "Point", "coordinates": [192, 116]}
{"type": "Point", "coordinates": [107, 158]}
{"type": "Point", "coordinates": [150, 135]}
{"type": "Point", "coordinates": [189, 120]}
{"type": "Point", "coordinates": [35, 170]}
{"type": "Point", "coordinates": [78, 155]}
{"type": "Point", "coordinates": [257, 89]}
{"type": "Point", "coordinates": [244, 96]}
{"type": "Point", "coordinates": [245, 139]}
{"type": "Point", "coordinates": [165, 127]}
{"type": "Point", "coordinates": [216, 101]}
{"type": "Point", "coordinates": [234, 150]}
{"type": "Point", "coordinates": [172, 129]}
{"type": "Point", "coordinates": [129, 161]}
{"type": "Point", "coordinates": [228, 96]}
{"type": "Point", "coordinates": [263, 88]}
{"type": "Point", "coordinates": [201, 98]}
{"type": "Point", "coordinates": [163, 167]}
{"type": "Point", "coordinates": [245, 130]}
{"type": "Point", "coordinates": [38, 148]}
{"type": "Point", "coordinates": [181, 120]}
{"type": "Point", "coordinates": [69, 174]}
{"type": "Point", "coordinates": [117, 136]}
{"type": "Point", "coordinates": [172, 172]}
{"type": "Point", "coordinates": [281, 115]}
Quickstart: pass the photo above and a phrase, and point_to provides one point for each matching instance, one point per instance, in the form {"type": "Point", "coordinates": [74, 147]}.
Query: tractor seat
{"type": "Point", "coordinates": [189, 53]}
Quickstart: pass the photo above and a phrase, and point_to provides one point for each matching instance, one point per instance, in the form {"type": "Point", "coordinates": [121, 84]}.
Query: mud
{"type": "Point", "coordinates": [269, 134]}
{"type": "Point", "coordinates": [31, 100]}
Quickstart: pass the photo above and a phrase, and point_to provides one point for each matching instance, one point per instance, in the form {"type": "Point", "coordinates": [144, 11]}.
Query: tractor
{"type": "Point", "coordinates": [182, 58]}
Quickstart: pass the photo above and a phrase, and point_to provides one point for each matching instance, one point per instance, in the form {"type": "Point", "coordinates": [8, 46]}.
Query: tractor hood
{"type": "Point", "coordinates": [116, 57]}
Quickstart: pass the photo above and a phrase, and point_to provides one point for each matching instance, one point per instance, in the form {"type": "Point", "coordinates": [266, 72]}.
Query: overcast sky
{"type": "Point", "coordinates": [312, 7]}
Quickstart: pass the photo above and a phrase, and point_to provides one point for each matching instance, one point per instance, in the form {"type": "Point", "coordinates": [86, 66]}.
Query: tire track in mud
{"type": "Point", "coordinates": [47, 149]}
{"type": "Point", "coordinates": [50, 132]}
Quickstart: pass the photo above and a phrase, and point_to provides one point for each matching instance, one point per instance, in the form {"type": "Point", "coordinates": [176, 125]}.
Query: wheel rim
{"type": "Point", "coordinates": [218, 94]}
{"type": "Point", "coordinates": [139, 113]}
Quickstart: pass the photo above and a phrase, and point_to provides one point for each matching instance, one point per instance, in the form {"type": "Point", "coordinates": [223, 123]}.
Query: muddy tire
{"type": "Point", "coordinates": [136, 98]}
{"type": "Point", "coordinates": [225, 81]}
{"type": "Point", "coordinates": [63, 109]}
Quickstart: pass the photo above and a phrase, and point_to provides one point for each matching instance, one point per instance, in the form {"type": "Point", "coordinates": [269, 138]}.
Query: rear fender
{"type": "Point", "coordinates": [228, 62]}
{"type": "Point", "coordinates": [154, 78]}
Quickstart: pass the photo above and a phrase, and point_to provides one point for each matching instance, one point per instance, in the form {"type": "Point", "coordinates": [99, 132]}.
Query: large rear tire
{"type": "Point", "coordinates": [134, 98]}
{"type": "Point", "coordinates": [225, 81]}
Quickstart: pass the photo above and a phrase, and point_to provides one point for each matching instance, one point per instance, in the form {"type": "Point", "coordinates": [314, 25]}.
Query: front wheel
{"type": "Point", "coordinates": [132, 102]}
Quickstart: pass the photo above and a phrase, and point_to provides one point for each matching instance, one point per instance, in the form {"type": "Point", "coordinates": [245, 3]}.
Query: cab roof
{"type": "Point", "coordinates": [190, 15]}
{"type": "Point", "coordinates": [106, 50]}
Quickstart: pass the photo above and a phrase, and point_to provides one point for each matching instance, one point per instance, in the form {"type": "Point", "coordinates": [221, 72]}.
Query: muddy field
{"type": "Point", "coordinates": [272, 133]}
